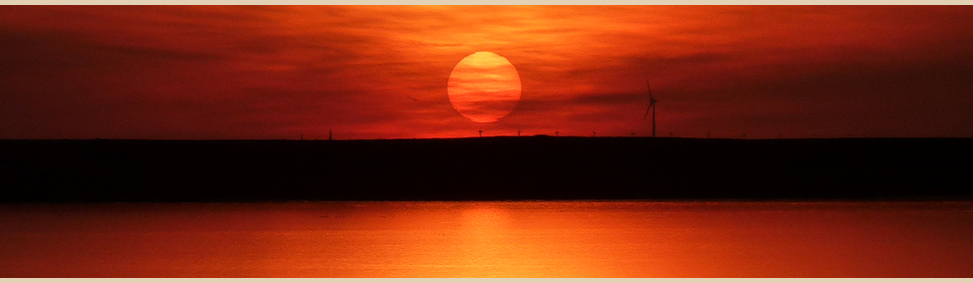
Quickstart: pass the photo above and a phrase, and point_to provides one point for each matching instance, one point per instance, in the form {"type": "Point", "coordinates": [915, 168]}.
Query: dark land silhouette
{"type": "Point", "coordinates": [500, 168]}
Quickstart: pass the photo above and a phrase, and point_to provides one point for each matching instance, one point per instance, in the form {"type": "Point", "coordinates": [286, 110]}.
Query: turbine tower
{"type": "Point", "coordinates": [652, 102]}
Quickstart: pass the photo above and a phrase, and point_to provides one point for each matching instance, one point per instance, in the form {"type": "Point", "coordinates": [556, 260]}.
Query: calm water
{"type": "Point", "coordinates": [489, 239]}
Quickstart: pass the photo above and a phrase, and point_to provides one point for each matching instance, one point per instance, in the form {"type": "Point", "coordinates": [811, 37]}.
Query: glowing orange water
{"type": "Point", "coordinates": [488, 239]}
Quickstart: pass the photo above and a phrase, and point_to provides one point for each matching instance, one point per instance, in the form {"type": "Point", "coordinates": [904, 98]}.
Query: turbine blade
{"type": "Point", "coordinates": [650, 90]}
{"type": "Point", "coordinates": [651, 101]}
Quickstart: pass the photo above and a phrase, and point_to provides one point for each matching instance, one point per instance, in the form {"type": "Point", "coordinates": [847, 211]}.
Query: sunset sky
{"type": "Point", "coordinates": [367, 72]}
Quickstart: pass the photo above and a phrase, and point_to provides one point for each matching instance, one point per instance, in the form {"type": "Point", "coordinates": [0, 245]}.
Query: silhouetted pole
{"type": "Point", "coordinates": [556, 133]}
{"type": "Point", "coordinates": [481, 133]}
{"type": "Point", "coordinates": [653, 117]}
{"type": "Point", "coordinates": [652, 102]}
{"type": "Point", "coordinates": [518, 133]}
{"type": "Point", "coordinates": [330, 136]}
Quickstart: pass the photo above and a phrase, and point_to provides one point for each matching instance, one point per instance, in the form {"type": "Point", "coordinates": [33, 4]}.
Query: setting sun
{"type": "Point", "coordinates": [481, 141]}
{"type": "Point", "coordinates": [484, 87]}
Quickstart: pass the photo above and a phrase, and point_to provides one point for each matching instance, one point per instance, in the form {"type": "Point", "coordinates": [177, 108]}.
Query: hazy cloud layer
{"type": "Point", "coordinates": [189, 72]}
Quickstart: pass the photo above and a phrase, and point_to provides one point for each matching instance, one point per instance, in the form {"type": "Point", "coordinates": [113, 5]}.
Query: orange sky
{"type": "Point", "coordinates": [214, 72]}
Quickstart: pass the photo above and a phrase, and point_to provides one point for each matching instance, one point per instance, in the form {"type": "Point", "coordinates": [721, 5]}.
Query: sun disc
{"type": "Point", "coordinates": [484, 87]}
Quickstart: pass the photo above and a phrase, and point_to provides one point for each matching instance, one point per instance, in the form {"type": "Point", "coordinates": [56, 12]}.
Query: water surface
{"type": "Point", "coordinates": [489, 239]}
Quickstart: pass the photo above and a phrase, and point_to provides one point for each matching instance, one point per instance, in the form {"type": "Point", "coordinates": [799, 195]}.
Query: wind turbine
{"type": "Point", "coordinates": [652, 102]}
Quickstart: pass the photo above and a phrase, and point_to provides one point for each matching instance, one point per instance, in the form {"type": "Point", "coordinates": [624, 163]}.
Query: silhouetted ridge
{"type": "Point", "coordinates": [502, 168]}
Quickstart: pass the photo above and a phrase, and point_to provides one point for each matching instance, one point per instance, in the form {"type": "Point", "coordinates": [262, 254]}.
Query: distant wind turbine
{"type": "Point", "coordinates": [652, 102]}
